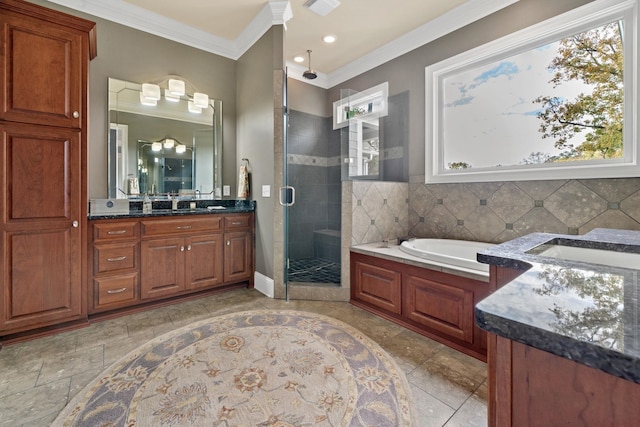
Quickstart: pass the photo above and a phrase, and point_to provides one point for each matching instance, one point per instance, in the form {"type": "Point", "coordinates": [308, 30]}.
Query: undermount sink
{"type": "Point", "coordinates": [589, 255]}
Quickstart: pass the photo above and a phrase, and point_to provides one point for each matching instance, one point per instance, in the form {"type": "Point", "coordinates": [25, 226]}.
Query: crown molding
{"type": "Point", "coordinates": [274, 13]}
{"type": "Point", "coordinates": [457, 18]}
{"type": "Point", "coordinates": [278, 12]}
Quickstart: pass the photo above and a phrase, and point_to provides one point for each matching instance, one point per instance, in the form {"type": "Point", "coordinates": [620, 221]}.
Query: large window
{"type": "Point", "coordinates": [556, 100]}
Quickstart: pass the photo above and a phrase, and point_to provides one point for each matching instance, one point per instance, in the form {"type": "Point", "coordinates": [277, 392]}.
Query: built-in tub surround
{"type": "Point", "coordinates": [433, 298]}
{"type": "Point", "coordinates": [574, 309]}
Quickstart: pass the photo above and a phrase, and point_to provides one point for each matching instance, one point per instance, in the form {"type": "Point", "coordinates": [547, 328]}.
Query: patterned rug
{"type": "Point", "coordinates": [255, 368]}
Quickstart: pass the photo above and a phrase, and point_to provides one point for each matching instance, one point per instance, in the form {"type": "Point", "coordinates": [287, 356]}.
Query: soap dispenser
{"type": "Point", "coordinates": [174, 202]}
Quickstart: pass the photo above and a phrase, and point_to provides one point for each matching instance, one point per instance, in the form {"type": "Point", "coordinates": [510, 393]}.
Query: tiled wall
{"type": "Point", "coordinates": [379, 210]}
{"type": "Point", "coordinates": [500, 211]}
{"type": "Point", "coordinates": [490, 212]}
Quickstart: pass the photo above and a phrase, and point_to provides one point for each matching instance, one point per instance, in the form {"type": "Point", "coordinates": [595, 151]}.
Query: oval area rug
{"type": "Point", "coordinates": [271, 368]}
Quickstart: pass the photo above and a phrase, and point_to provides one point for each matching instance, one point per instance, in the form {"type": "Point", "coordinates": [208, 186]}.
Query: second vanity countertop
{"type": "Point", "coordinates": [163, 208]}
{"type": "Point", "coordinates": [583, 311]}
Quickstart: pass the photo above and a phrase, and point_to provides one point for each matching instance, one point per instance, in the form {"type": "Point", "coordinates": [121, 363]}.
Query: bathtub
{"type": "Point", "coordinates": [456, 253]}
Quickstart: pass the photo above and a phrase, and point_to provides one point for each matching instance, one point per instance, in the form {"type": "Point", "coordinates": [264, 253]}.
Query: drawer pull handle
{"type": "Point", "coordinates": [118, 258]}
{"type": "Point", "coordinates": [236, 223]}
{"type": "Point", "coordinates": [117, 232]}
{"type": "Point", "coordinates": [184, 227]}
{"type": "Point", "coordinates": [116, 291]}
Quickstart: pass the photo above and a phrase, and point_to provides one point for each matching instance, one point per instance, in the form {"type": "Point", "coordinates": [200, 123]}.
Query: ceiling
{"type": "Point", "coordinates": [369, 32]}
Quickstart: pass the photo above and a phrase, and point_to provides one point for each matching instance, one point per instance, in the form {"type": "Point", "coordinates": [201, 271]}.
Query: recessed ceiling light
{"type": "Point", "coordinates": [329, 38]}
{"type": "Point", "coordinates": [299, 58]}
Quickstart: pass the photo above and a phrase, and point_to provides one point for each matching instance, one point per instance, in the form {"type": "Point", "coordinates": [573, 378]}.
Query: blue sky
{"type": "Point", "coordinates": [489, 114]}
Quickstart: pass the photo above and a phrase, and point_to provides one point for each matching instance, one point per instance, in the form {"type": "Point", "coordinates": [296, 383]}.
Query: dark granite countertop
{"type": "Point", "coordinates": [588, 312]}
{"type": "Point", "coordinates": [163, 208]}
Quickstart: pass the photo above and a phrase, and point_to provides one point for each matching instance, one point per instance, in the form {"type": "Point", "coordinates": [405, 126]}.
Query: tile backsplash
{"type": "Point", "coordinates": [493, 211]}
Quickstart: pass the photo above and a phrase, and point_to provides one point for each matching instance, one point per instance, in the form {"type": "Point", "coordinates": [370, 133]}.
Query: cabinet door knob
{"type": "Point", "coordinates": [75, 224]}
{"type": "Point", "coordinates": [228, 242]}
{"type": "Point", "coordinates": [76, 114]}
{"type": "Point", "coordinates": [181, 248]}
{"type": "Point", "coordinates": [188, 247]}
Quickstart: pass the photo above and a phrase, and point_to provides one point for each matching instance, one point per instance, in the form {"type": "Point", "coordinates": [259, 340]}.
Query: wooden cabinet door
{"type": "Point", "coordinates": [161, 267]}
{"type": "Point", "coordinates": [376, 285]}
{"type": "Point", "coordinates": [237, 256]}
{"type": "Point", "coordinates": [203, 266]}
{"type": "Point", "coordinates": [41, 244]}
{"type": "Point", "coordinates": [43, 72]}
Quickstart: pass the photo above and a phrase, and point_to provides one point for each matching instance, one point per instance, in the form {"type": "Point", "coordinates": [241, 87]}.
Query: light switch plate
{"type": "Point", "coordinates": [266, 191]}
{"type": "Point", "coordinates": [226, 190]}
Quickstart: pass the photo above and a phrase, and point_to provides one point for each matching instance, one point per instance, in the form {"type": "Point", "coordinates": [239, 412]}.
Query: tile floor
{"type": "Point", "coordinates": [38, 377]}
{"type": "Point", "coordinates": [314, 270]}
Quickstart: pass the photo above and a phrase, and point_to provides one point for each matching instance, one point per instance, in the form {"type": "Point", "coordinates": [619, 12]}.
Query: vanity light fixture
{"type": "Point", "coordinates": [193, 108]}
{"type": "Point", "coordinates": [150, 94]}
{"type": "Point", "coordinates": [156, 146]}
{"type": "Point", "coordinates": [170, 97]}
{"type": "Point", "coordinates": [181, 148]}
{"type": "Point", "coordinates": [201, 100]}
{"type": "Point", "coordinates": [169, 143]}
{"type": "Point", "coordinates": [176, 87]}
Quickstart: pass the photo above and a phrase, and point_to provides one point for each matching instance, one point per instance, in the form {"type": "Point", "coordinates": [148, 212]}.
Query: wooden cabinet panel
{"type": "Point", "coordinates": [110, 231]}
{"type": "Point", "coordinates": [204, 261]}
{"type": "Point", "coordinates": [45, 72]}
{"type": "Point", "coordinates": [378, 286]}
{"type": "Point", "coordinates": [42, 173]}
{"type": "Point", "coordinates": [116, 291]}
{"type": "Point", "coordinates": [115, 257]}
{"type": "Point", "coordinates": [238, 256]}
{"type": "Point", "coordinates": [440, 306]}
{"type": "Point", "coordinates": [41, 277]}
{"type": "Point", "coordinates": [181, 226]}
{"type": "Point", "coordinates": [161, 267]}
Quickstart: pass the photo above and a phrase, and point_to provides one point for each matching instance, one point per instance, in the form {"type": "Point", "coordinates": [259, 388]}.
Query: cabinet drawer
{"type": "Point", "coordinates": [114, 257]}
{"type": "Point", "coordinates": [181, 226]}
{"type": "Point", "coordinates": [116, 289]}
{"type": "Point", "coordinates": [237, 222]}
{"type": "Point", "coordinates": [114, 231]}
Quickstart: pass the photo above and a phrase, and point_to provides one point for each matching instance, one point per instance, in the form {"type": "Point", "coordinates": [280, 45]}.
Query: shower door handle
{"type": "Point", "coordinates": [287, 196]}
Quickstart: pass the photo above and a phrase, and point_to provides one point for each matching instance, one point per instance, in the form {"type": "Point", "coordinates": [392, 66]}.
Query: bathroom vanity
{"type": "Point", "coordinates": [564, 330]}
{"type": "Point", "coordinates": [139, 259]}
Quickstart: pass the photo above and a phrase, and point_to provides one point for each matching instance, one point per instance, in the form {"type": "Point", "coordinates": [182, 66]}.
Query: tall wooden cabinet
{"type": "Point", "coordinates": [43, 120]}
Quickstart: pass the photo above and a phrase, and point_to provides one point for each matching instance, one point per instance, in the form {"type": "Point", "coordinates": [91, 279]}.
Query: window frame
{"type": "Point", "coordinates": [599, 12]}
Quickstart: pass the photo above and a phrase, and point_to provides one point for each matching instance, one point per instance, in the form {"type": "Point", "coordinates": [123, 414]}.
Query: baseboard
{"type": "Point", "coordinates": [264, 284]}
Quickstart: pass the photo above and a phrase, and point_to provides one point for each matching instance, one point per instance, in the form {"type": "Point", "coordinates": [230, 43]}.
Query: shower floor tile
{"type": "Point", "coordinates": [314, 270]}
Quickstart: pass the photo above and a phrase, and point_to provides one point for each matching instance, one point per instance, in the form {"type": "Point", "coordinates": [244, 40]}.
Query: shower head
{"type": "Point", "coordinates": [309, 74]}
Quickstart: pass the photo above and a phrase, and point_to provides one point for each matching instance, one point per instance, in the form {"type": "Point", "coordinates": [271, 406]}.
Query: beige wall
{"type": "Point", "coordinates": [257, 94]}
{"type": "Point", "coordinates": [133, 55]}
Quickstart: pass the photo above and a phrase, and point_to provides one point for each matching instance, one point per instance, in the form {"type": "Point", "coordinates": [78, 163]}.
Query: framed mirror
{"type": "Point", "coordinates": [167, 148]}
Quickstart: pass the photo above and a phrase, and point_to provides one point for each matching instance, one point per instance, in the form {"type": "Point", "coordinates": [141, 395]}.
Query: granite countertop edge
{"type": "Point", "coordinates": [164, 209]}
{"type": "Point", "coordinates": [513, 254]}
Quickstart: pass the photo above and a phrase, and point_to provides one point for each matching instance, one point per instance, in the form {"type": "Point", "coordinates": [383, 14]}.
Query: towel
{"type": "Point", "coordinates": [243, 183]}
